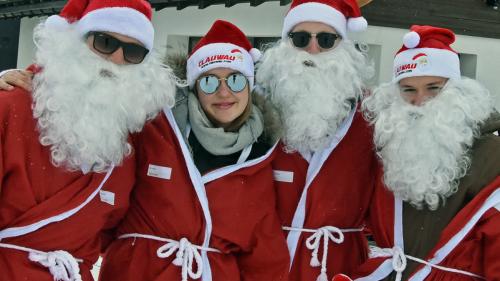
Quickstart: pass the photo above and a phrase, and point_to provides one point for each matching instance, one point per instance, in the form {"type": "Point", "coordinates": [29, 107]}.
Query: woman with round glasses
{"type": "Point", "coordinates": [203, 207]}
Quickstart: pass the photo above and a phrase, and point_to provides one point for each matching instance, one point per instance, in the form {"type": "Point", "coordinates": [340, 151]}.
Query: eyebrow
{"type": "Point", "coordinates": [435, 83]}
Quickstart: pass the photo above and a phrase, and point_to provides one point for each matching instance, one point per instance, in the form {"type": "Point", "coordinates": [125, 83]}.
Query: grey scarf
{"type": "Point", "coordinates": [216, 140]}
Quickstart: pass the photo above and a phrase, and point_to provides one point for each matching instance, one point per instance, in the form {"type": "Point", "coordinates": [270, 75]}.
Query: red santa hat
{"type": "Point", "coordinates": [127, 17]}
{"type": "Point", "coordinates": [426, 52]}
{"type": "Point", "coordinates": [343, 15]}
{"type": "Point", "coordinates": [225, 45]}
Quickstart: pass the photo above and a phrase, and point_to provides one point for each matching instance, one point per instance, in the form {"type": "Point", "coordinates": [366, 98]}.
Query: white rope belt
{"type": "Point", "coordinates": [186, 253]}
{"type": "Point", "coordinates": [328, 233]}
{"type": "Point", "coordinates": [61, 264]}
{"type": "Point", "coordinates": [399, 261]}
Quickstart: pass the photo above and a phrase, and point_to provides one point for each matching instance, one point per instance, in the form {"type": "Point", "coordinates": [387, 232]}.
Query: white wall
{"type": "Point", "coordinates": [26, 47]}
{"type": "Point", "coordinates": [266, 20]}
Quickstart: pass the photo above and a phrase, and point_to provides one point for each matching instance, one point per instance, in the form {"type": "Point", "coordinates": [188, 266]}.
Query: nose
{"type": "Point", "coordinates": [224, 90]}
{"type": "Point", "coordinates": [420, 98]}
{"type": "Point", "coordinates": [414, 101]}
{"type": "Point", "coordinates": [313, 47]}
{"type": "Point", "coordinates": [117, 57]}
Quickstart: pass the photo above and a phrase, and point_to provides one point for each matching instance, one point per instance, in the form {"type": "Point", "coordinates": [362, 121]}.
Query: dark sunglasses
{"type": "Point", "coordinates": [326, 40]}
{"type": "Point", "coordinates": [107, 44]}
{"type": "Point", "coordinates": [209, 84]}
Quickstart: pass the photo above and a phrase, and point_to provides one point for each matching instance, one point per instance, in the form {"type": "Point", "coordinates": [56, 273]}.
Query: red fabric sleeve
{"type": "Point", "coordinates": [491, 245]}
{"type": "Point", "coordinates": [4, 122]}
{"type": "Point", "coordinates": [269, 258]}
{"type": "Point", "coordinates": [2, 128]}
{"type": "Point", "coordinates": [108, 234]}
{"type": "Point", "coordinates": [34, 68]}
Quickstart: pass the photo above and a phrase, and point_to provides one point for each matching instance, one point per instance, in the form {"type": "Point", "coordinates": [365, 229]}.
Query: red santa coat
{"type": "Point", "coordinates": [230, 210]}
{"type": "Point", "coordinates": [470, 242]}
{"type": "Point", "coordinates": [47, 208]}
{"type": "Point", "coordinates": [332, 189]}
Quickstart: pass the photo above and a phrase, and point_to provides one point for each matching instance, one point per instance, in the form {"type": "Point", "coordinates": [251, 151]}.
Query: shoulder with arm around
{"type": "Point", "coordinates": [15, 105]}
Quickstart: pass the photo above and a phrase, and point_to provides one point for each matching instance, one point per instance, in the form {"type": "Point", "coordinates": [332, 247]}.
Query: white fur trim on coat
{"type": "Point", "coordinates": [125, 21]}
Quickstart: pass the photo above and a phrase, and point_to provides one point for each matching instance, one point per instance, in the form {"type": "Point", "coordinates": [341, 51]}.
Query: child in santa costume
{"type": "Point", "coordinates": [435, 213]}
{"type": "Point", "coordinates": [203, 207]}
{"type": "Point", "coordinates": [67, 167]}
{"type": "Point", "coordinates": [325, 166]}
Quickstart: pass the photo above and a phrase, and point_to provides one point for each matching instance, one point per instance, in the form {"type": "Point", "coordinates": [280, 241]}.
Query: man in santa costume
{"type": "Point", "coordinates": [435, 213]}
{"type": "Point", "coordinates": [67, 165]}
{"type": "Point", "coordinates": [324, 170]}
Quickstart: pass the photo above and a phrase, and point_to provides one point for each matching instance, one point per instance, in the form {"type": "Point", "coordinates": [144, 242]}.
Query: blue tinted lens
{"type": "Point", "coordinates": [208, 84]}
{"type": "Point", "coordinates": [236, 82]}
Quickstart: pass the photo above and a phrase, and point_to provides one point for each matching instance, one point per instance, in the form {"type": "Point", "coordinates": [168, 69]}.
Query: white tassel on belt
{"type": "Point", "coordinates": [61, 264]}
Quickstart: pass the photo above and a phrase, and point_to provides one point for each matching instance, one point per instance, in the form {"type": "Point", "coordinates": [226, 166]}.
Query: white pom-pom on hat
{"type": "Point", "coordinates": [56, 22]}
{"type": "Point", "coordinates": [357, 24]}
{"type": "Point", "coordinates": [411, 40]}
{"type": "Point", "coordinates": [256, 54]}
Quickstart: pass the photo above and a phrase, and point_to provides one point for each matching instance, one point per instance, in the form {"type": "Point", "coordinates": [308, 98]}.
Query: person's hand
{"type": "Point", "coordinates": [19, 78]}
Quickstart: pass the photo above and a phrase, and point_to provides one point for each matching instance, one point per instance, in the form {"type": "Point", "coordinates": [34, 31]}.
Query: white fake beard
{"type": "Point", "coordinates": [86, 106]}
{"type": "Point", "coordinates": [424, 149]}
{"type": "Point", "coordinates": [312, 93]}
